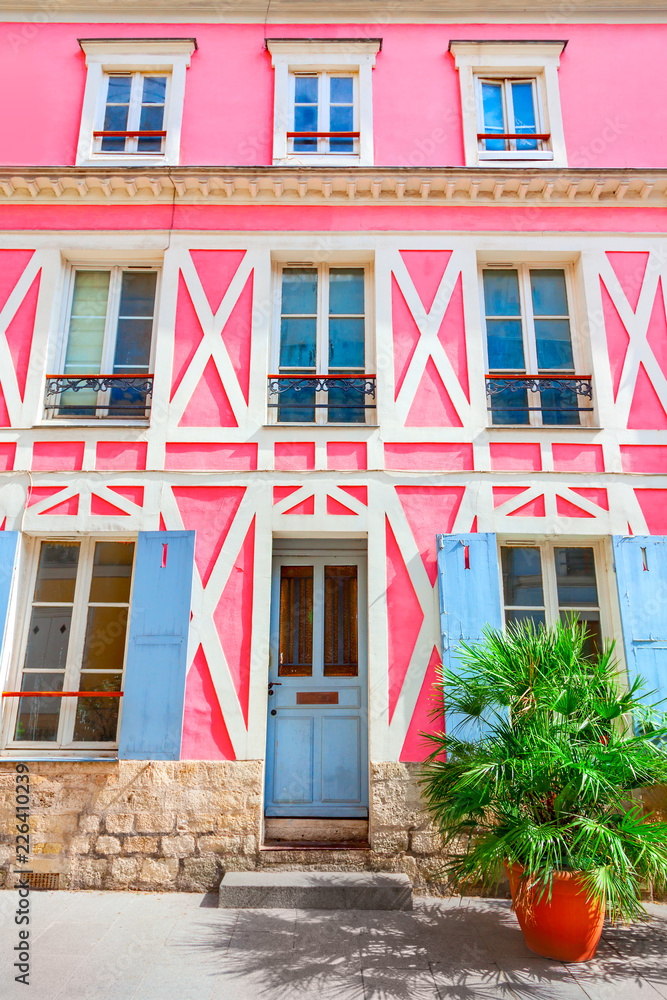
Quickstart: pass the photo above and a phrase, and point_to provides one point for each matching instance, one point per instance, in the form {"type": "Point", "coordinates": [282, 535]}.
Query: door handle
{"type": "Point", "coordinates": [273, 684]}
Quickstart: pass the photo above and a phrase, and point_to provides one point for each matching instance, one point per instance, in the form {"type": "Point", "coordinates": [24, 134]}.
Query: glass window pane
{"type": "Point", "coordinates": [104, 648]}
{"type": "Point", "coordinates": [504, 338]}
{"type": "Point", "coordinates": [56, 572]}
{"type": "Point", "coordinates": [522, 576]}
{"type": "Point", "coordinates": [536, 617]}
{"type": "Point", "coordinates": [115, 120]}
{"type": "Point", "coordinates": [97, 718]}
{"type": "Point", "coordinates": [340, 621]}
{"type": "Point", "coordinates": [501, 293]}
{"type": "Point", "coordinates": [299, 291]}
{"type": "Point", "coordinates": [295, 658]}
{"type": "Point", "coordinates": [591, 621]}
{"type": "Point", "coordinates": [510, 406]}
{"type": "Point", "coordinates": [346, 291]}
{"type": "Point", "coordinates": [342, 89]}
{"type": "Point", "coordinates": [296, 405]}
{"type": "Point", "coordinates": [87, 321]}
{"type": "Point", "coordinates": [112, 572]}
{"type": "Point", "coordinates": [492, 105]}
{"type": "Point", "coordinates": [559, 406]}
{"type": "Point", "coordinates": [347, 401]}
{"type": "Point", "coordinates": [155, 89]}
{"type": "Point", "coordinates": [305, 118]}
{"type": "Point", "coordinates": [119, 90]}
{"type": "Point", "coordinates": [346, 343]}
{"type": "Point", "coordinates": [151, 120]}
{"type": "Point", "coordinates": [37, 718]}
{"type": "Point", "coordinates": [306, 89]}
{"type": "Point", "coordinates": [575, 575]}
{"type": "Point", "coordinates": [548, 292]}
{"type": "Point", "coordinates": [135, 321]}
{"type": "Point", "coordinates": [554, 346]}
{"type": "Point", "coordinates": [524, 109]}
{"type": "Point", "coordinates": [297, 343]}
{"type": "Point", "coordinates": [341, 120]}
{"type": "Point", "coordinates": [48, 638]}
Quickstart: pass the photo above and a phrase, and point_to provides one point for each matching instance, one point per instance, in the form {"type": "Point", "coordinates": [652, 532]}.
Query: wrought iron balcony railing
{"type": "Point", "coordinates": [297, 397]}
{"type": "Point", "coordinates": [512, 398]}
{"type": "Point", "coordinates": [100, 396]}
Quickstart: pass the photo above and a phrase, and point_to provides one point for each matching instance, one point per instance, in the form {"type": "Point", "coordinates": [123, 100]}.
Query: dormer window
{"type": "Point", "coordinates": [510, 102]}
{"type": "Point", "coordinates": [323, 100]}
{"type": "Point", "coordinates": [133, 102]}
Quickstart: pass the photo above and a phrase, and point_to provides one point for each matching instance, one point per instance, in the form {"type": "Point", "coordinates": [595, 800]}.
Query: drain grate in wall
{"type": "Point", "coordinates": [43, 880]}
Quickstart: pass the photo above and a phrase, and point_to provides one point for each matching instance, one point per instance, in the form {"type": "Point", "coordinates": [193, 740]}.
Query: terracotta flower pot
{"type": "Point", "coordinates": [567, 927]}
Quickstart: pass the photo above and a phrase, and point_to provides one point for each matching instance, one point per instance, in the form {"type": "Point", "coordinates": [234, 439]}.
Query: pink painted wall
{"type": "Point", "coordinates": [609, 116]}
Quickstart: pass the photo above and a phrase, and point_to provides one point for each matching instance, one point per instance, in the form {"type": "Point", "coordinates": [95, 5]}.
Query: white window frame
{"type": "Point", "coordinates": [323, 113]}
{"type": "Point", "coordinates": [511, 60]}
{"type": "Point", "coordinates": [343, 57]}
{"type": "Point", "coordinates": [108, 56]}
{"type": "Point", "coordinates": [529, 340]}
{"type": "Point", "coordinates": [543, 151]}
{"type": "Point", "coordinates": [75, 647]}
{"type": "Point", "coordinates": [549, 583]}
{"type": "Point", "coordinates": [322, 335]}
{"type": "Point", "coordinates": [110, 333]}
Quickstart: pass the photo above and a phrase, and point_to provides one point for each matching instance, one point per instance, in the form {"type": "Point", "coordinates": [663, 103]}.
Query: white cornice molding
{"type": "Point", "coordinates": [104, 49]}
{"type": "Point", "coordinates": [339, 11]}
{"type": "Point", "coordinates": [287, 47]}
{"type": "Point", "coordinates": [371, 186]}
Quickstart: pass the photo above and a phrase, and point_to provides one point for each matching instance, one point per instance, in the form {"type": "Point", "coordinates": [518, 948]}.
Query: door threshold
{"type": "Point", "coordinates": [300, 845]}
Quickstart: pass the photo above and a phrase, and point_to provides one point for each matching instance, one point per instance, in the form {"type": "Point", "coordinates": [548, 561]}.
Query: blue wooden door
{"type": "Point", "coordinates": [317, 752]}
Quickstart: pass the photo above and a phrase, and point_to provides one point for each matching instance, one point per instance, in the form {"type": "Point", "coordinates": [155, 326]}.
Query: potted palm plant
{"type": "Point", "coordinates": [539, 775]}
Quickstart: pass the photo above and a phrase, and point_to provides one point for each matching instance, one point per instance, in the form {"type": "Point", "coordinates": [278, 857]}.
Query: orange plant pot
{"type": "Point", "coordinates": [567, 927]}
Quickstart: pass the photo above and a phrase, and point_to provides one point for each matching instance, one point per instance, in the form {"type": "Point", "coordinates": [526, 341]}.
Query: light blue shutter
{"type": "Point", "coordinates": [154, 683]}
{"type": "Point", "coordinates": [469, 587]}
{"type": "Point", "coordinates": [641, 578]}
{"type": "Point", "coordinates": [9, 541]}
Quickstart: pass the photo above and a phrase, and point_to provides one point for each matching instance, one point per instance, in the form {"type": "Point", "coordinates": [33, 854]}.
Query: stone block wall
{"type": "Point", "coordinates": [162, 825]}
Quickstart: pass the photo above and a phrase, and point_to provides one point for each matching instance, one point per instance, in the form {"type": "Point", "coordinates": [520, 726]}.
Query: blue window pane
{"type": "Point", "coordinates": [297, 343]}
{"type": "Point", "coordinates": [115, 120]}
{"type": "Point", "coordinates": [536, 617]}
{"type": "Point", "coordinates": [305, 118]}
{"type": "Point", "coordinates": [155, 89]}
{"type": "Point", "coordinates": [299, 291]}
{"type": "Point", "coordinates": [119, 90]}
{"type": "Point", "coordinates": [341, 89]}
{"type": "Point", "coordinates": [522, 576]}
{"type": "Point", "coordinates": [559, 407]}
{"type": "Point", "coordinates": [501, 293]}
{"type": "Point", "coordinates": [548, 292]}
{"type": "Point", "coordinates": [575, 576]}
{"type": "Point", "coordinates": [505, 344]}
{"type": "Point", "coordinates": [492, 104]}
{"type": "Point", "coordinates": [346, 404]}
{"type": "Point", "coordinates": [341, 119]}
{"type": "Point", "coordinates": [296, 406]}
{"type": "Point", "coordinates": [509, 407]}
{"type": "Point", "coordinates": [346, 291]}
{"type": "Point", "coordinates": [305, 89]}
{"type": "Point", "coordinates": [524, 113]}
{"type": "Point", "coordinates": [346, 343]}
{"type": "Point", "coordinates": [151, 118]}
{"type": "Point", "coordinates": [554, 346]}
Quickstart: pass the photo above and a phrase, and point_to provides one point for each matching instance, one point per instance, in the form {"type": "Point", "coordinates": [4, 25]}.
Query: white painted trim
{"type": "Point", "coordinates": [103, 56]}
{"type": "Point", "coordinates": [346, 55]}
{"type": "Point", "coordinates": [520, 186]}
{"type": "Point", "coordinates": [532, 60]}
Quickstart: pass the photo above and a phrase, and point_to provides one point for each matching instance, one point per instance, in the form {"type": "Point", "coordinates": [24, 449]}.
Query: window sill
{"type": "Point", "coordinates": [88, 422]}
{"type": "Point", "coordinates": [127, 160]}
{"type": "Point", "coordinates": [524, 157]}
{"type": "Point", "coordinates": [322, 427]}
{"type": "Point", "coordinates": [558, 428]}
{"type": "Point", "coordinates": [320, 160]}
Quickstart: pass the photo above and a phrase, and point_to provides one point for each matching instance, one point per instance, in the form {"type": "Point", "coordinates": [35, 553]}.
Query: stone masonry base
{"type": "Point", "coordinates": [179, 825]}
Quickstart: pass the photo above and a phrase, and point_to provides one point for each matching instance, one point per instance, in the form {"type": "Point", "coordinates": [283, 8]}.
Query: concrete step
{"type": "Point", "coordinates": [315, 890]}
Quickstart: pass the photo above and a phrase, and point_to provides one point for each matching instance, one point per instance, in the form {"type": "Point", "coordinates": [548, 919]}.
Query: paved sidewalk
{"type": "Point", "coordinates": [177, 946]}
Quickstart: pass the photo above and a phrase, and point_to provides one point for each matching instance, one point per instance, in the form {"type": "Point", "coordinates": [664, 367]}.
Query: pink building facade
{"type": "Point", "coordinates": [323, 344]}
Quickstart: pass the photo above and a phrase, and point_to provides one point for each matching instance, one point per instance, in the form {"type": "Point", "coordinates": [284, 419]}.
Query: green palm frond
{"type": "Point", "coordinates": [541, 766]}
